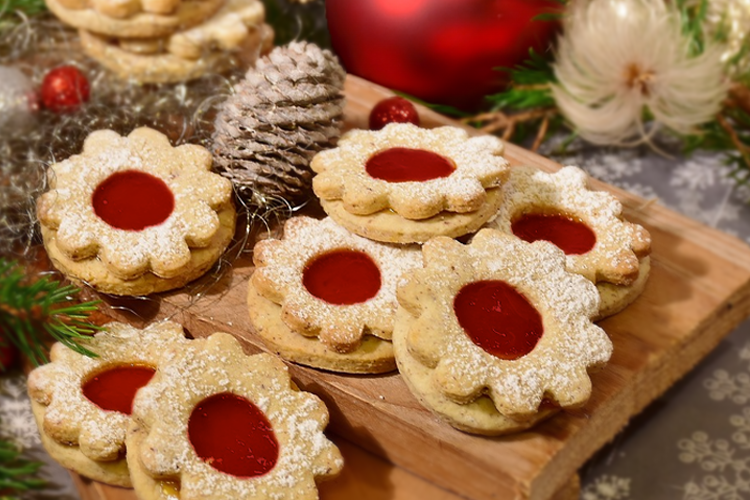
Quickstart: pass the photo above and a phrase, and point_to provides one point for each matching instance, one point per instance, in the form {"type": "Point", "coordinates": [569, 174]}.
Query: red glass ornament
{"type": "Point", "coordinates": [393, 110]}
{"type": "Point", "coordinates": [115, 388]}
{"type": "Point", "coordinates": [133, 200]}
{"type": "Point", "coordinates": [571, 236]}
{"type": "Point", "coordinates": [498, 318]}
{"type": "Point", "coordinates": [64, 89]}
{"type": "Point", "coordinates": [442, 51]}
{"type": "Point", "coordinates": [408, 165]}
{"type": "Point", "coordinates": [342, 277]}
{"type": "Point", "coordinates": [233, 436]}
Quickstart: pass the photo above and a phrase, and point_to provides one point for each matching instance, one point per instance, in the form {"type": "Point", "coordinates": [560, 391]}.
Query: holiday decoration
{"type": "Point", "coordinates": [64, 89]}
{"type": "Point", "coordinates": [29, 311]}
{"type": "Point", "coordinates": [617, 60]}
{"type": "Point", "coordinates": [730, 20]}
{"type": "Point", "coordinates": [393, 110]}
{"type": "Point", "coordinates": [442, 51]}
{"type": "Point", "coordinates": [286, 109]}
{"type": "Point", "coordinates": [17, 475]}
{"type": "Point", "coordinates": [17, 99]}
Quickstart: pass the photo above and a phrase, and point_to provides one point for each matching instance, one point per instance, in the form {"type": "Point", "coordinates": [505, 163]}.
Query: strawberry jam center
{"type": "Point", "coordinates": [408, 165]}
{"type": "Point", "coordinates": [498, 318]}
{"type": "Point", "coordinates": [569, 235]}
{"type": "Point", "coordinates": [115, 388]}
{"type": "Point", "coordinates": [233, 436]}
{"type": "Point", "coordinates": [342, 277]}
{"type": "Point", "coordinates": [132, 200]}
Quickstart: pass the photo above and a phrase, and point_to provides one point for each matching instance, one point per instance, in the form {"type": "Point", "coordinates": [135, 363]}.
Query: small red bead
{"type": "Point", "coordinates": [393, 110]}
{"type": "Point", "coordinates": [64, 89]}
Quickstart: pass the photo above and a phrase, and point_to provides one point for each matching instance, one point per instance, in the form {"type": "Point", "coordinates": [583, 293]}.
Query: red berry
{"type": "Point", "coordinates": [64, 89]}
{"type": "Point", "coordinates": [393, 110]}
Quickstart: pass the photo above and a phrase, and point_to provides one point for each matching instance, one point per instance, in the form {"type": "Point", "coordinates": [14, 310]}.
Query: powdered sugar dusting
{"type": "Point", "coordinates": [163, 248]}
{"type": "Point", "coordinates": [619, 244]}
{"type": "Point", "coordinates": [281, 266]}
{"type": "Point", "coordinates": [215, 365]}
{"type": "Point", "coordinates": [342, 175]}
{"type": "Point", "coordinates": [69, 416]}
{"type": "Point", "coordinates": [555, 368]}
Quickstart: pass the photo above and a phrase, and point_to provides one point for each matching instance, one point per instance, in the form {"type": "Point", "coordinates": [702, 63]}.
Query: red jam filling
{"type": "Point", "coordinates": [342, 277]}
{"type": "Point", "coordinates": [233, 436]}
{"type": "Point", "coordinates": [571, 236]}
{"type": "Point", "coordinates": [408, 165]}
{"type": "Point", "coordinates": [133, 200]}
{"type": "Point", "coordinates": [498, 319]}
{"type": "Point", "coordinates": [115, 388]}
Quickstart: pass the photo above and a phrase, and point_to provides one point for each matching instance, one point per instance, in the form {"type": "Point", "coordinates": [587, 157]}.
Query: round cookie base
{"type": "Point", "coordinates": [94, 272]}
{"type": "Point", "coordinates": [387, 226]}
{"type": "Point", "coordinates": [373, 355]}
{"type": "Point", "coordinates": [615, 298]}
{"type": "Point", "coordinates": [115, 473]}
{"type": "Point", "coordinates": [478, 417]}
{"type": "Point", "coordinates": [141, 25]}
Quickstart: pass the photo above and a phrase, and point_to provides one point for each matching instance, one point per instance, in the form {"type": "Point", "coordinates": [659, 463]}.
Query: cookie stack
{"type": "Point", "coordinates": [492, 335]}
{"type": "Point", "coordinates": [156, 41]}
{"type": "Point", "coordinates": [179, 418]}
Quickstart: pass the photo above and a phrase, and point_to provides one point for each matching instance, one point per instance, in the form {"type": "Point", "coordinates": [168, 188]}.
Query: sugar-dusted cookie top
{"type": "Point", "coordinates": [88, 400]}
{"type": "Point", "coordinates": [503, 317]}
{"type": "Point", "coordinates": [222, 424]}
{"type": "Point", "coordinates": [587, 225]}
{"type": "Point", "coordinates": [135, 203]}
{"type": "Point", "coordinates": [415, 172]}
{"type": "Point", "coordinates": [331, 283]}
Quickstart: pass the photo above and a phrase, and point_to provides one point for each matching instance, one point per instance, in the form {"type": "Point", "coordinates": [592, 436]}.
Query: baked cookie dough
{"type": "Point", "coordinates": [82, 405]}
{"type": "Point", "coordinates": [194, 425]}
{"type": "Point", "coordinates": [325, 297]}
{"type": "Point", "coordinates": [133, 215]}
{"type": "Point", "coordinates": [486, 332]}
{"type": "Point", "coordinates": [404, 175]}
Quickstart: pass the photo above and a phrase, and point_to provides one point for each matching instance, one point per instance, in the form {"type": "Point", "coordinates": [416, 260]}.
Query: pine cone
{"type": "Point", "coordinates": [287, 108]}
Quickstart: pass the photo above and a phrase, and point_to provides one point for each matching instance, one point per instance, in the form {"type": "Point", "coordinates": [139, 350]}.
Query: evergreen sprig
{"type": "Point", "coordinates": [28, 310]}
{"type": "Point", "coordinates": [16, 474]}
{"type": "Point", "coordinates": [9, 8]}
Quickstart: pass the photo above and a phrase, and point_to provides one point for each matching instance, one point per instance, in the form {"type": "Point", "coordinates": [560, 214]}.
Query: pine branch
{"type": "Point", "coordinates": [16, 474]}
{"type": "Point", "coordinates": [28, 310]}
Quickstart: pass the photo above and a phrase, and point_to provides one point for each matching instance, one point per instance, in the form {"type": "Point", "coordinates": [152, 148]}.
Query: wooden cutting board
{"type": "Point", "coordinates": [699, 290]}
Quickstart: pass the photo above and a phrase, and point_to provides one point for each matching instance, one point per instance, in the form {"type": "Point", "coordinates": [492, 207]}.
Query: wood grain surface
{"type": "Point", "coordinates": [699, 290]}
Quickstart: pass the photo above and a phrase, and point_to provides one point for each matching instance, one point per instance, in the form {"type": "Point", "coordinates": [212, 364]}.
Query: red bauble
{"type": "Point", "coordinates": [64, 89]}
{"type": "Point", "coordinates": [442, 51]}
{"type": "Point", "coordinates": [393, 110]}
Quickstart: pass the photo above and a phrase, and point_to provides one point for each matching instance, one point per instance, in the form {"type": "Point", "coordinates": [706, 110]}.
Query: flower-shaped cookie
{"type": "Point", "coordinates": [586, 224]}
{"type": "Point", "coordinates": [416, 172]}
{"type": "Point", "coordinates": [217, 423]}
{"type": "Point", "coordinates": [331, 283]}
{"type": "Point", "coordinates": [503, 317]}
{"type": "Point", "coordinates": [135, 205]}
{"type": "Point", "coordinates": [82, 405]}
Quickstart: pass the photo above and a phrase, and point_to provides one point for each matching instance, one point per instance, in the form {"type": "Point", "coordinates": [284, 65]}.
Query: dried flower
{"type": "Point", "coordinates": [622, 62]}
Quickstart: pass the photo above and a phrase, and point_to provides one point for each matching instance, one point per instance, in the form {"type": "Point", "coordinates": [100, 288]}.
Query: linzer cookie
{"type": "Point", "coordinates": [139, 22]}
{"type": "Point", "coordinates": [406, 184]}
{"type": "Point", "coordinates": [133, 215]}
{"type": "Point", "coordinates": [82, 405]}
{"type": "Point", "coordinates": [235, 34]}
{"type": "Point", "coordinates": [489, 330]}
{"type": "Point", "coordinates": [223, 425]}
{"type": "Point", "coordinates": [587, 225]}
{"type": "Point", "coordinates": [324, 297]}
